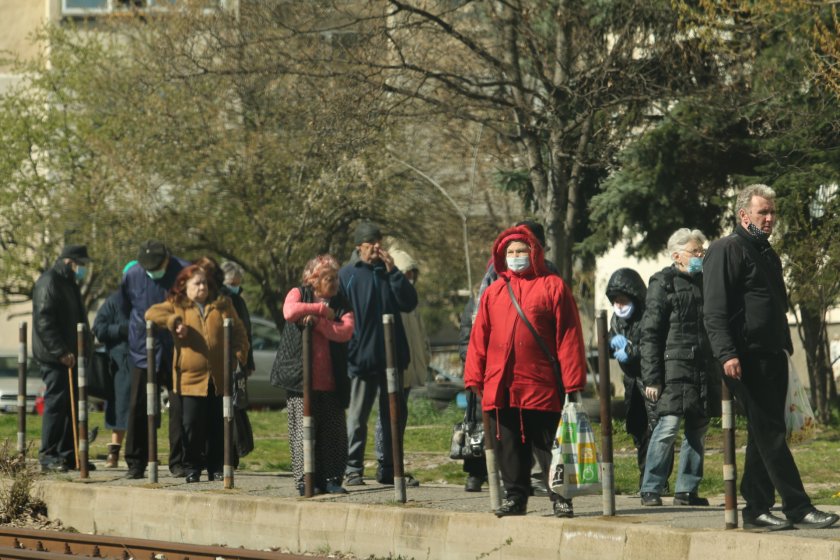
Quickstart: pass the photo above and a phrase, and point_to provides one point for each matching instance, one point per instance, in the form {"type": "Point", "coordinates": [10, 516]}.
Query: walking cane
{"type": "Point", "coordinates": [308, 421]}
{"type": "Point", "coordinates": [81, 362]}
{"type": "Point", "coordinates": [394, 389]}
{"type": "Point", "coordinates": [492, 465]}
{"type": "Point", "coordinates": [151, 402]}
{"type": "Point", "coordinates": [730, 472]}
{"type": "Point", "coordinates": [607, 478]}
{"type": "Point", "coordinates": [227, 407]}
{"type": "Point", "coordinates": [21, 399]}
{"type": "Point", "coordinates": [73, 415]}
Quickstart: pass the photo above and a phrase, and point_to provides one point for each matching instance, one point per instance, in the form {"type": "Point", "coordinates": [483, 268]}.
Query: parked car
{"type": "Point", "coordinates": [9, 383]}
{"type": "Point", "coordinates": [265, 341]}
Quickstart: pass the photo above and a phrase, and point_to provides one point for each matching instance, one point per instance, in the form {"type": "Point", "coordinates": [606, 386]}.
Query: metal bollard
{"type": "Point", "coordinates": [607, 467]}
{"type": "Point", "coordinates": [308, 421]}
{"type": "Point", "coordinates": [227, 406]}
{"type": "Point", "coordinates": [82, 415]}
{"type": "Point", "coordinates": [730, 470]}
{"type": "Point", "coordinates": [21, 397]}
{"type": "Point", "coordinates": [394, 390]}
{"type": "Point", "coordinates": [151, 401]}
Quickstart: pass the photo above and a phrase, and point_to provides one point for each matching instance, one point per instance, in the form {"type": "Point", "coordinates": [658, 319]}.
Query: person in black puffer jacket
{"type": "Point", "coordinates": [676, 361]}
{"type": "Point", "coordinates": [627, 292]}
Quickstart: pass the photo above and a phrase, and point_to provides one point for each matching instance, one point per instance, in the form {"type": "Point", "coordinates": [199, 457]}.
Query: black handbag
{"type": "Point", "coordinates": [468, 435]}
{"type": "Point", "coordinates": [240, 388]}
{"type": "Point", "coordinates": [100, 376]}
{"type": "Point", "coordinates": [243, 434]}
{"type": "Point", "coordinates": [287, 369]}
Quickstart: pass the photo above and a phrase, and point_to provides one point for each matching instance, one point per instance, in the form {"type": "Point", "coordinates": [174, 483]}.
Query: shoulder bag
{"type": "Point", "coordinates": [554, 363]}
{"type": "Point", "coordinates": [287, 369]}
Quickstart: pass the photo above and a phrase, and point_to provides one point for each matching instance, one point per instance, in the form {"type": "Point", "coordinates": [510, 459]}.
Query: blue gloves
{"type": "Point", "coordinates": [621, 356]}
{"type": "Point", "coordinates": [618, 342]}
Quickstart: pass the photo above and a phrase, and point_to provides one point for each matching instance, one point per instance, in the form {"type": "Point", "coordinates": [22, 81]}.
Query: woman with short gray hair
{"type": "Point", "coordinates": [676, 362]}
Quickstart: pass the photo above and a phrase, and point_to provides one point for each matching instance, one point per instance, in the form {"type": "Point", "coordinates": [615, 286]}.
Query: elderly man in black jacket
{"type": "Point", "coordinates": [745, 315]}
{"type": "Point", "coordinates": [57, 308]}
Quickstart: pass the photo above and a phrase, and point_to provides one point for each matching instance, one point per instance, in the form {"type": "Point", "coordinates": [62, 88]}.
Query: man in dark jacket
{"type": "Point", "coordinates": [57, 308]}
{"type": "Point", "coordinates": [745, 315]}
{"type": "Point", "coordinates": [374, 287]}
{"type": "Point", "coordinates": [144, 285]}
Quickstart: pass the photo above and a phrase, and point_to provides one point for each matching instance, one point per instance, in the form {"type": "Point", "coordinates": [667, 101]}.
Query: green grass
{"type": "Point", "coordinates": [427, 444]}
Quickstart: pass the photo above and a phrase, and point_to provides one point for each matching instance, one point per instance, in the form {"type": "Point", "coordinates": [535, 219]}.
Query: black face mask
{"type": "Point", "coordinates": [757, 233]}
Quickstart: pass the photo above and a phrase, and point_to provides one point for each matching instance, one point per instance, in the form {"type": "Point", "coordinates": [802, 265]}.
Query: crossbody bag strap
{"type": "Point", "coordinates": [555, 365]}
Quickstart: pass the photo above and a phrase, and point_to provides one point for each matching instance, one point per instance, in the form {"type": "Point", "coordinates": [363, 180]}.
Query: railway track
{"type": "Point", "coordinates": [56, 545]}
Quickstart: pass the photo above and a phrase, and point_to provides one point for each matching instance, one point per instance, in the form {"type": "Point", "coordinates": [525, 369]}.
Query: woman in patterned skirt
{"type": "Point", "coordinates": [317, 302]}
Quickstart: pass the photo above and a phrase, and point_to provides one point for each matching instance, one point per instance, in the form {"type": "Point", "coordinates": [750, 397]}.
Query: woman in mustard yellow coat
{"type": "Point", "coordinates": [194, 311]}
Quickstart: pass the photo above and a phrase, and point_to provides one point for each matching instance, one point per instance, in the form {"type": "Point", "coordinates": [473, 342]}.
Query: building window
{"type": "Point", "coordinates": [90, 7]}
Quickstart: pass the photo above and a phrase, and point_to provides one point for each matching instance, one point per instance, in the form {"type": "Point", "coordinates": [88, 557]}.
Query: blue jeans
{"type": "Point", "coordinates": [690, 470]}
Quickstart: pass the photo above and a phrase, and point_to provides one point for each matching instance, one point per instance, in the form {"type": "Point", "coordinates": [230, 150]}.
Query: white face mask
{"type": "Point", "coordinates": [623, 311]}
{"type": "Point", "coordinates": [516, 264]}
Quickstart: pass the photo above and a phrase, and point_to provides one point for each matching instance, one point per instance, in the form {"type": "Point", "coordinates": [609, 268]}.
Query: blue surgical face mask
{"type": "Point", "coordinates": [695, 265]}
{"type": "Point", "coordinates": [156, 274]}
{"type": "Point", "coordinates": [233, 289]}
{"type": "Point", "coordinates": [516, 264]}
{"type": "Point", "coordinates": [81, 272]}
{"type": "Point", "coordinates": [623, 311]}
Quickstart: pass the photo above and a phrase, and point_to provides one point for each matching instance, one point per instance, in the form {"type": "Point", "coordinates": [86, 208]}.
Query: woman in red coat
{"type": "Point", "coordinates": [509, 370]}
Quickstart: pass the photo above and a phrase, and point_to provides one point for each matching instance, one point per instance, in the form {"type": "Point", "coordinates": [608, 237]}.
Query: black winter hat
{"type": "Point", "coordinates": [536, 229]}
{"type": "Point", "coordinates": [366, 232]}
{"type": "Point", "coordinates": [76, 253]}
{"type": "Point", "coordinates": [152, 254]}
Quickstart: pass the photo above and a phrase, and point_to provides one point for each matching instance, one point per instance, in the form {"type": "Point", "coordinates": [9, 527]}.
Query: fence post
{"type": "Point", "coordinates": [607, 468]}
{"type": "Point", "coordinates": [394, 390]}
{"type": "Point", "coordinates": [227, 406]}
{"type": "Point", "coordinates": [151, 401]}
{"type": "Point", "coordinates": [308, 421]}
{"type": "Point", "coordinates": [21, 397]}
{"type": "Point", "coordinates": [82, 413]}
{"type": "Point", "coordinates": [730, 470]}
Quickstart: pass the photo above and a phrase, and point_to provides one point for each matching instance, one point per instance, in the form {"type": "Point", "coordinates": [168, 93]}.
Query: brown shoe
{"type": "Point", "coordinates": [113, 459]}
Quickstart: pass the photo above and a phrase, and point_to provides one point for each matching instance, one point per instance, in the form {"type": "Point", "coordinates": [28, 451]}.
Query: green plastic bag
{"type": "Point", "coordinates": [575, 466]}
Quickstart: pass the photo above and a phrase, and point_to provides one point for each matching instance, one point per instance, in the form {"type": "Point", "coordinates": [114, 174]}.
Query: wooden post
{"type": "Point", "coordinates": [492, 466]}
{"type": "Point", "coordinates": [607, 468]}
{"type": "Point", "coordinates": [730, 470]}
{"type": "Point", "coordinates": [394, 390]}
{"type": "Point", "coordinates": [151, 401]}
{"type": "Point", "coordinates": [308, 421]}
{"type": "Point", "coordinates": [227, 406]}
{"type": "Point", "coordinates": [21, 397]}
{"type": "Point", "coordinates": [81, 364]}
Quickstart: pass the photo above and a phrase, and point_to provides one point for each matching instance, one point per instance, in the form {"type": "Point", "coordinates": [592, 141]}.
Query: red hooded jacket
{"type": "Point", "coordinates": [504, 359]}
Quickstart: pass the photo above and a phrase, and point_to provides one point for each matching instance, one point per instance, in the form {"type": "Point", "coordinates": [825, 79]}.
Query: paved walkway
{"type": "Point", "coordinates": [438, 521]}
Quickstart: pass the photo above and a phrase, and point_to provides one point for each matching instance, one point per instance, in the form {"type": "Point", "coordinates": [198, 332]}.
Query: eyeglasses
{"type": "Point", "coordinates": [699, 252]}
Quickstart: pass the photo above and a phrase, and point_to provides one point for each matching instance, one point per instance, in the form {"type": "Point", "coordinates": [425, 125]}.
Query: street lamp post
{"type": "Point", "coordinates": [457, 209]}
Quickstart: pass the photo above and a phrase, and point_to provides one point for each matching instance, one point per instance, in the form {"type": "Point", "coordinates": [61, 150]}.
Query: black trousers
{"type": "Point", "coordinates": [514, 455]}
{"type": "Point", "coordinates": [136, 444]}
{"type": "Point", "coordinates": [57, 423]}
{"type": "Point", "coordinates": [203, 428]}
{"type": "Point", "coordinates": [768, 465]}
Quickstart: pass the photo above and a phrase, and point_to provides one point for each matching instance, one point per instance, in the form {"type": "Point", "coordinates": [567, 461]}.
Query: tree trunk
{"type": "Point", "coordinates": [815, 342]}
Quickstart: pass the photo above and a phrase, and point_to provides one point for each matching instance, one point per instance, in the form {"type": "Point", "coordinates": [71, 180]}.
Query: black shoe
{"type": "Point", "coordinates": [354, 479]}
{"type": "Point", "coordinates": [211, 476]}
{"type": "Point", "coordinates": [411, 482]}
{"type": "Point", "coordinates": [473, 484]}
{"type": "Point", "coordinates": [135, 474]}
{"type": "Point", "coordinates": [689, 499]}
{"type": "Point", "coordinates": [193, 477]}
{"type": "Point", "coordinates": [333, 486]}
{"type": "Point", "coordinates": [651, 499]}
{"type": "Point", "coordinates": [563, 508]}
{"type": "Point", "coordinates": [511, 506]}
{"type": "Point", "coordinates": [768, 522]}
{"type": "Point", "coordinates": [177, 471]}
{"type": "Point", "coordinates": [817, 519]}
{"type": "Point", "coordinates": [72, 467]}
{"type": "Point", "coordinates": [54, 468]}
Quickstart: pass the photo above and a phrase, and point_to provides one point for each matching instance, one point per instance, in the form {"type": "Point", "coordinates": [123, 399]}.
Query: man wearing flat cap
{"type": "Point", "coordinates": [374, 287]}
{"type": "Point", "coordinates": [144, 285]}
{"type": "Point", "coordinates": [57, 307]}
